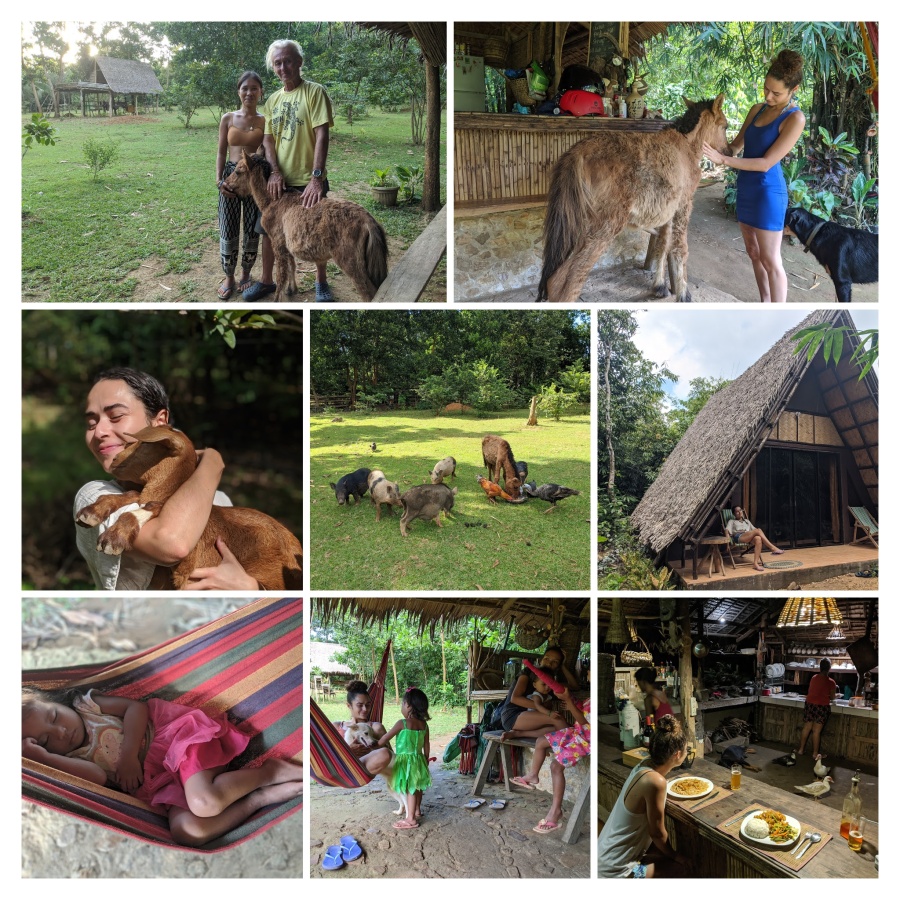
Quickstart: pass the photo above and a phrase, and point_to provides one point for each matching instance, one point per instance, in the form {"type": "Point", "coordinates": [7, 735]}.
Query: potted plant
{"type": "Point", "coordinates": [385, 187]}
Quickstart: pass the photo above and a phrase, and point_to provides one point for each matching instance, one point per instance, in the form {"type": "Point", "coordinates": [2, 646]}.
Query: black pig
{"type": "Point", "coordinates": [353, 485]}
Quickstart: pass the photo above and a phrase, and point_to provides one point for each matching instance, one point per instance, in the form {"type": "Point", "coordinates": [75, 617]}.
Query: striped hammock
{"type": "Point", "coordinates": [248, 663]}
{"type": "Point", "coordinates": [331, 761]}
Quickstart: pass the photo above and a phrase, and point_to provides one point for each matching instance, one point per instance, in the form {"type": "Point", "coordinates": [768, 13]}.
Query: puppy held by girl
{"type": "Point", "coordinates": [167, 755]}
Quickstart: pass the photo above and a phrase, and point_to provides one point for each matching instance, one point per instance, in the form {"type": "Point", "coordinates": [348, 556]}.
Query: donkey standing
{"type": "Point", "coordinates": [332, 229]}
{"type": "Point", "coordinates": [609, 182]}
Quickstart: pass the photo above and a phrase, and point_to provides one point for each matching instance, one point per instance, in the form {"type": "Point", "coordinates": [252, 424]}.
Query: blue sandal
{"type": "Point", "coordinates": [350, 849]}
{"type": "Point", "coordinates": [333, 858]}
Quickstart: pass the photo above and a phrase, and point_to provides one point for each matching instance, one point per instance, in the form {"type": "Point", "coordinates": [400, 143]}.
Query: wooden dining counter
{"type": "Point", "coordinates": [715, 854]}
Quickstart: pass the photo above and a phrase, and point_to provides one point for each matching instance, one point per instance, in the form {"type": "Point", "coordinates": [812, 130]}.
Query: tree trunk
{"type": "Point", "coordinates": [611, 481]}
{"type": "Point", "coordinates": [532, 413]}
{"type": "Point", "coordinates": [37, 99]}
{"type": "Point", "coordinates": [684, 668]}
{"type": "Point", "coordinates": [443, 658]}
{"type": "Point", "coordinates": [396, 680]}
{"type": "Point", "coordinates": [431, 186]}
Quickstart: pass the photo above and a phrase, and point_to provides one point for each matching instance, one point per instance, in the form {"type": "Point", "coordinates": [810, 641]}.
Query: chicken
{"type": "Point", "coordinates": [820, 770]}
{"type": "Point", "coordinates": [493, 490]}
{"type": "Point", "coordinates": [550, 492]}
{"type": "Point", "coordinates": [373, 446]}
{"type": "Point", "coordinates": [816, 789]}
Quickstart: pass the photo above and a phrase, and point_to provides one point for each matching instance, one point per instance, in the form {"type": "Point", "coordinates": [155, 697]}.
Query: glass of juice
{"type": "Point", "coordinates": [735, 777]}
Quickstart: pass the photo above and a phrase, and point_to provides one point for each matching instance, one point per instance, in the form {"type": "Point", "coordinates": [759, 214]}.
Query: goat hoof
{"type": "Point", "coordinates": [662, 292]}
{"type": "Point", "coordinates": [111, 547]}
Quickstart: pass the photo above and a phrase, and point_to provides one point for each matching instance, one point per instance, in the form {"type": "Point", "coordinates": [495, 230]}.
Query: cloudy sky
{"type": "Point", "coordinates": [718, 343]}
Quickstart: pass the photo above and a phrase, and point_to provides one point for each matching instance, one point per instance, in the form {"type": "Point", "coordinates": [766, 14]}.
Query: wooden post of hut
{"type": "Point", "coordinates": [684, 671]}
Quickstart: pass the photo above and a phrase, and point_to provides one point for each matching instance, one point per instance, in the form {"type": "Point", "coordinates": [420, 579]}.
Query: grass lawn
{"type": "Point", "coordinates": [444, 723]}
{"type": "Point", "coordinates": [83, 240]}
{"type": "Point", "coordinates": [521, 547]}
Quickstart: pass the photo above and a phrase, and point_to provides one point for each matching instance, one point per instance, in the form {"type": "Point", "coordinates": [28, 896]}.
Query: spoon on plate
{"type": "Point", "coordinates": [814, 838]}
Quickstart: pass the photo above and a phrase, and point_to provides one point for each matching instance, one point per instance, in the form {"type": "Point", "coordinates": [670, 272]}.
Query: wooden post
{"type": "Point", "coordinates": [431, 186]}
{"type": "Point", "coordinates": [684, 668]}
{"type": "Point", "coordinates": [443, 657]}
{"type": "Point", "coordinates": [532, 413]}
{"type": "Point", "coordinates": [82, 103]}
{"type": "Point", "coordinates": [396, 682]}
{"type": "Point", "coordinates": [111, 110]}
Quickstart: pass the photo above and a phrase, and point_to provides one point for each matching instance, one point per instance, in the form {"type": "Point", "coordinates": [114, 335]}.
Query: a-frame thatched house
{"type": "Point", "coordinates": [123, 77]}
{"type": "Point", "coordinates": [795, 442]}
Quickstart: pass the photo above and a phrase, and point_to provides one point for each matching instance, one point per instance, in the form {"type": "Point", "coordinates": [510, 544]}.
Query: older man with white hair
{"type": "Point", "coordinates": [295, 143]}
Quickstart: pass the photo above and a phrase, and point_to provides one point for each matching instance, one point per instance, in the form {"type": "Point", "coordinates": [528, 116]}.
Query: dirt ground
{"type": "Point", "coordinates": [451, 842]}
{"type": "Point", "coordinates": [838, 583]}
{"type": "Point", "coordinates": [718, 269]}
{"type": "Point", "coordinates": [200, 282]}
{"type": "Point", "coordinates": [55, 845]}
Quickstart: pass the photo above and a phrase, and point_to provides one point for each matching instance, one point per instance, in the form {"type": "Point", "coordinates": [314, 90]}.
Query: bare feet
{"type": "Point", "coordinates": [280, 770]}
{"type": "Point", "coordinates": [277, 793]}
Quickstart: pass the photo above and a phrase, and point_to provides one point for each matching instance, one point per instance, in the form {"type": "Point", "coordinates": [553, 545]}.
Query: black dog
{"type": "Point", "coordinates": [849, 255]}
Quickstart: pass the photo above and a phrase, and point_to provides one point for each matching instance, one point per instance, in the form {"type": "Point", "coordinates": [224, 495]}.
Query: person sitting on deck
{"type": "Point", "coordinates": [742, 529]}
{"type": "Point", "coordinates": [638, 818]}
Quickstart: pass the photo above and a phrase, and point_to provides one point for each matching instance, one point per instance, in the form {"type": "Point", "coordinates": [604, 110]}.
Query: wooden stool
{"type": "Point", "coordinates": [716, 563]}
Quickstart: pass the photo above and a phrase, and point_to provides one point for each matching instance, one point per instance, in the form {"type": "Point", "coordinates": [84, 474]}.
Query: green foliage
{"type": "Point", "coordinates": [227, 322]}
{"type": "Point", "coordinates": [478, 384]}
{"type": "Point", "coordinates": [863, 202]}
{"type": "Point", "coordinates": [37, 131]}
{"type": "Point", "coordinates": [830, 339]}
{"type": "Point", "coordinates": [577, 381]}
{"type": "Point", "coordinates": [624, 566]}
{"type": "Point", "coordinates": [831, 161]}
{"type": "Point", "coordinates": [410, 178]}
{"type": "Point", "coordinates": [383, 178]}
{"type": "Point", "coordinates": [100, 154]}
{"type": "Point", "coordinates": [685, 411]}
{"type": "Point", "coordinates": [555, 401]}
{"type": "Point", "coordinates": [354, 552]}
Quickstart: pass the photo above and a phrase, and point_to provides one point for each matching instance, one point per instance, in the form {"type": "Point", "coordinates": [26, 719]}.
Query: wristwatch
{"type": "Point", "coordinates": [316, 173]}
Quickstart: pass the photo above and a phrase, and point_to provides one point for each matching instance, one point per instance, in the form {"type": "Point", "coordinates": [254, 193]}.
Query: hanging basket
{"type": "Point", "coordinates": [495, 50]}
{"type": "Point", "coordinates": [637, 657]}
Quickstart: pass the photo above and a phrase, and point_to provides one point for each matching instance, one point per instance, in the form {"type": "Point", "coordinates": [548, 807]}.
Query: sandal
{"type": "Point", "coordinates": [521, 782]}
{"type": "Point", "coordinates": [323, 292]}
{"type": "Point", "coordinates": [244, 285]}
{"type": "Point", "coordinates": [498, 803]}
{"type": "Point", "coordinates": [474, 803]}
{"type": "Point", "coordinates": [777, 552]}
{"type": "Point", "coordinates": [545, 827]}
{"type": "Point", "coordinates": [350, 849]}
{"type": "Point", "coordinates": [259, 290]}
{"type": "Point", "coordinates": [224, 292]}
{"type": "Point", "coordinates": [403, 825]}
{"type": "Point", "coordinates": [333, 858]}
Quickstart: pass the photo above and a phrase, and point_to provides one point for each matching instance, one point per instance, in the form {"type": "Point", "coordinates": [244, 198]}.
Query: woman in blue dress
{"type": "Point", "coordinates": [768, 134]}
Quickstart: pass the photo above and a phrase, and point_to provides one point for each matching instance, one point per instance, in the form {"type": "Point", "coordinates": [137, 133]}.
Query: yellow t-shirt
{"type": "Point", "coordinates": [292, 117]}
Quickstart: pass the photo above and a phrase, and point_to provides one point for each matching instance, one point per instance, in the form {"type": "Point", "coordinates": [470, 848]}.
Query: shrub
{"type": "Point", "coordinates": [555, 402]}
{"type": "Point", "coordinates": [100, 154]}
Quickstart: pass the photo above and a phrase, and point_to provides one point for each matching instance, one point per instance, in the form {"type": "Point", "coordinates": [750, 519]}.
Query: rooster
{"type": "Point", "coordinates": [493, 490]}
{"type": "Point", "coordinates": [550, 492]}
{"type": "Point", "coordinates": [816, 789]}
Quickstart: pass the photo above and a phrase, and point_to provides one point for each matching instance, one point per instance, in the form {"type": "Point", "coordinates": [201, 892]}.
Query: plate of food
{"type": "Point", "coordinates": [689, 787]}
{"type": "Point", "coordinates": [771, 828]}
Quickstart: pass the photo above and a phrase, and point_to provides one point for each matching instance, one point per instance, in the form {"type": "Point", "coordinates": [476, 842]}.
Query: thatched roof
{"type": "Point", "coordinates": [430, 36]}
{"type": "Point", "coordinates": [126, 76]}
{"type": "Point", "coordinates": [575, 46]}
{"type": "Point", "coordinates": [737, 619]}
{"type": "Point", "coordinates": [730, 430]}
{"type": "Point", "coordinates": [524, 612]}
{"type": "Point", "coordinates": [321, 656]}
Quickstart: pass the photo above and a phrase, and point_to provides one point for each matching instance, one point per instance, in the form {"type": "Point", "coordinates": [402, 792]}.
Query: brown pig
{"type": "Point", "coordinates": [383, 491]}
{"type": "Point", "coordinates": [425, 501]}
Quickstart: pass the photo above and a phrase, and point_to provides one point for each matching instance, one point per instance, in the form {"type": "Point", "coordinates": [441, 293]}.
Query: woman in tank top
{"type": "Point", "coordinates": [656, 703]}
{"type": "Point", "coordinates": [768, 134]}
{"type": "Point", "coordinates": [637, 822]}
{"type": "Point", "coordinates": [238, 131]}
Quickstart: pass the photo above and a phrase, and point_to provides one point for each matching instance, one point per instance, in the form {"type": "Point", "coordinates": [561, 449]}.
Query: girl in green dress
{"type": "Point", "coordinates": [410, 775]}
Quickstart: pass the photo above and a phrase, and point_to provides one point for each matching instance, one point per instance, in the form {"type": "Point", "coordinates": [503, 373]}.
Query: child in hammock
{"type": "Point", "coordinates": [410, 775]}
{"type": "Point", "coordinates": [160, 752]}
{"type": "Point", "coordinates": [568, 745]}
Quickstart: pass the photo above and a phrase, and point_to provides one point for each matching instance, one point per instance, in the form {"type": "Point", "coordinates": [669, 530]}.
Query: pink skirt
{"type": "Point", "coordinates": [185, 741]}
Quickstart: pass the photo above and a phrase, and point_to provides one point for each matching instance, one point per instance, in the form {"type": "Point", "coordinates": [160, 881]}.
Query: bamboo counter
{"type": "Point", "coordinates": [714, 853]}
{"type": "Point", "coordinates": [505, 161]}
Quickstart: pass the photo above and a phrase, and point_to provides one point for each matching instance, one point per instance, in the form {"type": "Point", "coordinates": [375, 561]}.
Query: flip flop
{"type": "Point", "coordinates": [545, 827]}
{"type": "Point", "coordinates": [498, 804]}
{"type": "Point", "coordinates": [864, 574]}
{"type": "Point", "coordinates": [244, 285]}
{"type": "Point", "coordinates": [521, 782]}
{"type": "Point", "coordinates": [333, 858]}
{"type": "Point", "coordinates": [223, 293]}
{"type": "Point", "coordinates": [350, 849]}
{"type": "Point", "coordinates": [777, 552]}
{"type": "Point", "coordinates": [403, 825]}
{"type": "Point", "coordinates": [474, 803]}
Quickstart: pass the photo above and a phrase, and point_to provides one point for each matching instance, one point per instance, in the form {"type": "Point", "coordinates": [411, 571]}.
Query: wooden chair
{"type": "Point", "coordinates": [733, 543]}
{"type": "Point", "coordinates": [865, 523]}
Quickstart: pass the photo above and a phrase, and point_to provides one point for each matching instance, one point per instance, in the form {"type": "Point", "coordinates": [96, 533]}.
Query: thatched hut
{"type": "Point", "coordinates": [792, 440]}
{"type": "Point", "coordinates": [127, 78]}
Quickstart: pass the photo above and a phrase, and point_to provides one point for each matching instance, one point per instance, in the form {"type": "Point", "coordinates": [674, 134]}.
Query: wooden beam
{"type": "Point", "coordinates": [408, 278]}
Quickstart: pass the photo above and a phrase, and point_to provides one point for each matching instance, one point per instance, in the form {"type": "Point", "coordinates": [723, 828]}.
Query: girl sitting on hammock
{"type": "Point", "coordinates": [163, 753]}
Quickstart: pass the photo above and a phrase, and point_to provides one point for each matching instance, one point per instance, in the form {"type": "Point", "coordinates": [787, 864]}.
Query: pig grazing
{"type": "Point", "coordinates": [425, 501]}
{"type": "Point", "coordinates": [353, 485]}
{"type": "Point", "coordinates": [383, 491]}
{"type": "Point", "coordinates": [446, 468]}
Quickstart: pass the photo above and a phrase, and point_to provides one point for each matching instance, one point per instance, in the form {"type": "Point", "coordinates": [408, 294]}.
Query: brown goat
{"type": "Point", "coordinates": [332, 229]}
{"type": "Point", "coordinates": [160, 460]}
{"type": "Point", "coordinates": [498, 457]}
{"type": "Point", "coordinates": [612, 181]}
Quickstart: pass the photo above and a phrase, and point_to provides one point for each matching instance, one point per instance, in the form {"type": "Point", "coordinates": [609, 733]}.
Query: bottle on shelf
{"type": "Point", "coordinates": [852, 809]}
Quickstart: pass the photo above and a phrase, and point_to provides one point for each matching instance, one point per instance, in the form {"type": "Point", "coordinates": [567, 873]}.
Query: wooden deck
{"type": "Point", "coordinates": [819, 563]}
